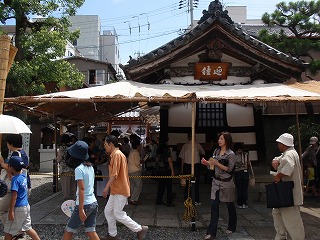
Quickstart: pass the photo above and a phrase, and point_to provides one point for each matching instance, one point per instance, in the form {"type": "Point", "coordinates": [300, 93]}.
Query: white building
{"type": "Point", "coordinates": [94, 43]}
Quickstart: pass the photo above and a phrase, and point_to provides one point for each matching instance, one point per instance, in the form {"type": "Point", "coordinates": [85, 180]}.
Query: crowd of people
{"type": "Point", "coordinates": [122, 159]}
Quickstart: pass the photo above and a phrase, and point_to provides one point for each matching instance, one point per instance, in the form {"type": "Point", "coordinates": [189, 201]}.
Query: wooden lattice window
{"type": "Point", "coordinates": [211, 114]}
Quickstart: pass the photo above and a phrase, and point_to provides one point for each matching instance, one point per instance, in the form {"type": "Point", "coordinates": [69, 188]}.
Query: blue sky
{"type": "Point", "coordinates": [159, 21]}
{"type": "Point", "coordinates": [144, 25]}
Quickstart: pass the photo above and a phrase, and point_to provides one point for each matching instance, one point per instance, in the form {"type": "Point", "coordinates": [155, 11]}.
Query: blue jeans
{"type": "Point", "coordinates": [74, 222]}
{"type": "Point", "coordinates": [232, 223]}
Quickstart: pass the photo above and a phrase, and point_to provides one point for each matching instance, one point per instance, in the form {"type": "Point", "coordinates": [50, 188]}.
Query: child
{"type": "Point", "coordinates": [310, 179]}
{"type": "Point", "coordinates": [86, 203]}
{"type": "Point", "coordinates": [19, 210]}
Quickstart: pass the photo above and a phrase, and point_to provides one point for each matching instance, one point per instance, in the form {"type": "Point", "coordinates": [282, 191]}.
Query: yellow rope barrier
{"type": "Point", "coordinates": [188, 204]}
{"type": "Point", "coordinates": [190, 208]}
{"type": "Point", "coordinates": [103, 176]}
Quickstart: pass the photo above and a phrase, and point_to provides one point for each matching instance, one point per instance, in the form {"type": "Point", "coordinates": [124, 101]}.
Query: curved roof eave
{"type": "Point", "coordinates": [197, 32]}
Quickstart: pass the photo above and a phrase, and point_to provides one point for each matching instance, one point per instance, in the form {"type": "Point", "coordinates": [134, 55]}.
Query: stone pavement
{"type": "Point", "coordinates": [253, 223]}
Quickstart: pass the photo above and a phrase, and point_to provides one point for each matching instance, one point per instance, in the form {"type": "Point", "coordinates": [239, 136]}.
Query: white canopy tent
{"type": "Point", "coordinates": [135, 91]}
{"type": "Point", "coordinates": [85, 102]}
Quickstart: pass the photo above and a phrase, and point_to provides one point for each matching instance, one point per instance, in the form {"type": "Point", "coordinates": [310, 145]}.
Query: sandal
{"type": "Point", "coordinates": [19, 236]}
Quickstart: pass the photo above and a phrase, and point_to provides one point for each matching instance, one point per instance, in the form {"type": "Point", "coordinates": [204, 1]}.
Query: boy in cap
{"type": "Point", "coordinates": [19, 211]}
{"type": "Point", "coordinates": [86, 203]}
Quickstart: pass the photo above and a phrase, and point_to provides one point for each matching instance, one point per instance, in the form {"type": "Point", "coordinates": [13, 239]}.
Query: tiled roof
{"type": "Point", "coordinates": [254, 29]}
{"type": "Point", "coordinates": [211, 17]}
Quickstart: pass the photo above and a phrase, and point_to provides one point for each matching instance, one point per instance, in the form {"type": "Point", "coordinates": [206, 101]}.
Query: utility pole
{"type": "Point", "coordinates": [191, 12]}
{"type": "Point", "coordinates": [190, 4]}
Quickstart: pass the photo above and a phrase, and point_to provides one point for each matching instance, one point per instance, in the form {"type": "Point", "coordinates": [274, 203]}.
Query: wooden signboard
{"type": "Point", "coordinates": [211, 71]}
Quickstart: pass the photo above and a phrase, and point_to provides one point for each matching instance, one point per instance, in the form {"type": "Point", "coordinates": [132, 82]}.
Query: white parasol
{"type": "Point", "coordinates": [10, 124]}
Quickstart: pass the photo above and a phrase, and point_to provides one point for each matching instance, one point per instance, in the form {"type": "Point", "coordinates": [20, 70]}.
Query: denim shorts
{"type": "Point", "coordinates": [74, 222]}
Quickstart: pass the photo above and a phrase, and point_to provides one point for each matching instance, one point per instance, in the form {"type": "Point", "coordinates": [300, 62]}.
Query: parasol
{"type": "Point", "coordinates": [10, 124]}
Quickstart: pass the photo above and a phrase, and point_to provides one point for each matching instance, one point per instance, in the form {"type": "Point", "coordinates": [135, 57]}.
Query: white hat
{"type": "Point", "coordinates": [313, 140]}
{"type": "Point", "coordinates": [286, 139]}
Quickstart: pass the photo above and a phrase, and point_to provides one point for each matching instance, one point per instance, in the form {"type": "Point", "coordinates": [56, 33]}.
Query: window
{"type": "Point", "coordinates": [97, 76]}
{"type": "Point", "coordinates": [92, 77]}
{"type": "Point", "coordinates": [211, 114]}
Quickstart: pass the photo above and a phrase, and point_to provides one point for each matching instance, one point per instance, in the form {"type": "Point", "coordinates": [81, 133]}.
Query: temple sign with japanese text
{"type": "Point", "coordinates": [211, 71]}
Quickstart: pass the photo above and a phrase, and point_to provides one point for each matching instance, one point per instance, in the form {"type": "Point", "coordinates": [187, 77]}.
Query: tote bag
{"type": "Point", "coordinates": [280, 194]}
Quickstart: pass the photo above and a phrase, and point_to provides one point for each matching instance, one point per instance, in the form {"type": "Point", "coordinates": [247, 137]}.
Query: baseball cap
{"type": "Point", "coordinates": [16, 162]}
{"type": "Point", "coordinates": [313, 140]}
{"type": "Point", "coordinates": [79, 150]}
{"type": "Point", "coordinates": [286, 139]}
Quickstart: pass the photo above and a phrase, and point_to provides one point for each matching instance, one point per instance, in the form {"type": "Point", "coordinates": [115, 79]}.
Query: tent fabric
{"type": "Point", "coordinates": [130, 90]}
{"type": "Point", "coordinates": [101, 103]}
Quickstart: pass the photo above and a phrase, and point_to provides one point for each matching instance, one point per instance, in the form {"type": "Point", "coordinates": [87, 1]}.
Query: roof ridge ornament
{"type": "Point", "coordinates": [215, 10]}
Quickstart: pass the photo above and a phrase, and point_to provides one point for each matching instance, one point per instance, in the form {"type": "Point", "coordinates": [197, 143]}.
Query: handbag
{"type": "Point", "coordinates": [252, 179]}
{"type": "Point", "coordinates": [280, 194]}
{"type": "Point", "coordinates": [3, 188]}
{"type": "Point", "coordinates": [5, 179]}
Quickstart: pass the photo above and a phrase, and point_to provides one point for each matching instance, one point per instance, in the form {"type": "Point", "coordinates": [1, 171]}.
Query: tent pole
{"type": "Point", "coordinates": [193, 182]}
{"type": "Point", "coordinates": [193, 135]}
{"type": "Point", "coordinates": [299, 138]}
{"type": "Point", "coordinates": [55, 162]}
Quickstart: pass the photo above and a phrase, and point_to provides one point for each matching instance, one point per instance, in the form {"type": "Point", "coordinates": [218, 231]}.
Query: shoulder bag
{"type": "Point", "coordinates": [252, 179]}
{"type": "Point", "coordinates": [280, 194]}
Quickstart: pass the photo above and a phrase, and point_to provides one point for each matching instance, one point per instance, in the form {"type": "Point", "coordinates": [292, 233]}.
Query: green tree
{"type": "Point", "coordinates": [302, 19]}
{"type": "Point", "coordinates": [307, 129]}
{"type": "Point", "coordinates": [40, 45]}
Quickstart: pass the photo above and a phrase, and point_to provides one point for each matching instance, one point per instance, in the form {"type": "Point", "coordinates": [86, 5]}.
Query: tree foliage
{"type": "Point", "coordinates": [40, 44]}
{"type": "Point", "coordinates": [302, 19]}
{"type": "Point", "coordinates": [307, 130]}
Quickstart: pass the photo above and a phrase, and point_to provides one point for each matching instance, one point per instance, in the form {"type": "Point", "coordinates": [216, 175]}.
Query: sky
{"type": "Point", "coordinates": [144, 25]}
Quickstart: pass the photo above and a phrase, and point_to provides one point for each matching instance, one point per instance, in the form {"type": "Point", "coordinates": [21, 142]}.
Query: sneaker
{"type": "Point", "coordinates": [20, 235]}
{"type": "Point", "coordinates": [208, 237]}
{"type": "Point", "coordinates": [240, 206]}
{"type": "Point", "coordinates": [197, 203]}
{"type": "Point", "coordinates": [244, 206]}
{"type": "Point", "coordinates": [109, 238]}
{"type": "Point", "coordinates": [228, 231]}
{"type": "Point", "coordinates": [142, 233]}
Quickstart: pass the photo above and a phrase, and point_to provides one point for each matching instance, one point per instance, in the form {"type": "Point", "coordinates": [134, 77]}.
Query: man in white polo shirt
{"type": "Point", "coordinates": [287, 220]}
{"type": "Point", "coordinates": [186, 160]}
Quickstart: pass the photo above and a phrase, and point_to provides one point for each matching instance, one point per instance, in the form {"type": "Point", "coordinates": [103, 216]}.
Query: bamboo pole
{"type": "Point", "coordinates": [4, 63]}
{"type": "Point", "coordinates": [299, 140]}
{"type": "Point", "coordinates": [193, 136]}
{"type": "Point", "coordinates": [7, 54]}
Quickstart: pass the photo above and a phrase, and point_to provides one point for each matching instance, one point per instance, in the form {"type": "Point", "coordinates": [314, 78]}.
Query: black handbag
{"type": "Point", "coordinates": [280, 194]}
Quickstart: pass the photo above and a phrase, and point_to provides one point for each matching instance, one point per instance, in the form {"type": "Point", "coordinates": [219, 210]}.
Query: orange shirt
{"type": "Point", "coordinates": [118, 168]}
